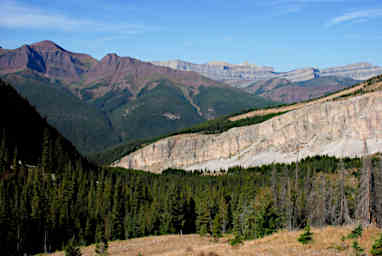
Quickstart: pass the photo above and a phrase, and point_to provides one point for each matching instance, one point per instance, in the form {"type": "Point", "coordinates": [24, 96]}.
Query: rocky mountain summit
{"type": "Point", "coordinates": [101, 103]}
{"type": "Point", "coordinates": [240, 74]}
{"type": "Point", "coordinates": [336, 126]}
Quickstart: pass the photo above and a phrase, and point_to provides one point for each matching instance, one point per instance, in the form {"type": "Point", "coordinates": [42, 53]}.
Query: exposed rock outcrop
{"type": "Point", "coordinates": [236, 73]}
{"type": "Point", "coordinates": [334, 128]}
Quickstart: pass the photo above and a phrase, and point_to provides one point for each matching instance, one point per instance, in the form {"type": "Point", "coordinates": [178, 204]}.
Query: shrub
{"type": "Point", "coordinates": [237, 240]}
{"type": "Point", "coordinates": [358, 251]}
{"type": "Point", "coordinates": [71, 250]}
{"type": "Point", "coordinates": [376, 250]}
{"type": "Point", "coordinates": [357, 232]}
{"type": "Point", "coordinates": [307, 236]}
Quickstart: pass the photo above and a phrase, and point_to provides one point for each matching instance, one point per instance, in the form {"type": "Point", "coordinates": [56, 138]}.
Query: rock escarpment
{"type": "Point", "coordinates": [335, 128]}
{"type": "Point", "coordinates": [234, 73]}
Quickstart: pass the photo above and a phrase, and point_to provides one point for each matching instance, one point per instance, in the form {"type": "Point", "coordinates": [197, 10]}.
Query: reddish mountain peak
{"type": "Point", "coordinates": [110, 58]}
{"type": "Point", "coordinates": [45, 43]}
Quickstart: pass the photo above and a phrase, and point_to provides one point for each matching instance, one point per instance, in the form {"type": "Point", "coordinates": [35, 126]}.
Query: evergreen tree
{"type": "Point", "coordinates": [101, 243]}
{"type": "Point", "coordinates": [216, 227]}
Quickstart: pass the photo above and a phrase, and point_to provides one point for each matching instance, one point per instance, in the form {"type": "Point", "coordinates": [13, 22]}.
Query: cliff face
{"type": "Point", "coordinates": [233, 74]}
{"type": "Point", "coordinates": [334, 128]}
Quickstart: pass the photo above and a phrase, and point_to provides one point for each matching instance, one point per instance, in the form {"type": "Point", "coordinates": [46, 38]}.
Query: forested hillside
{"type": "Point", "coordinates": [27, 139]}
{"type": "Point", "coordinates": [42, 212]}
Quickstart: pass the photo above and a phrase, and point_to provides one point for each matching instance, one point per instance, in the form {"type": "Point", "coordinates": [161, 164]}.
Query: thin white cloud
{"type": "Point", "coordinates": [355, 16]}
{"type": "Point", "coordinates": [15, 15]}
{"type": "Point", "coordinates": [281, 2]}
{"type": "Point", "coordinates": [284, 7]}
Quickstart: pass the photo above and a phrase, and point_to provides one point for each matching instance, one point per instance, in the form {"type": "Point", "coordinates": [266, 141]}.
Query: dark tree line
{"type": "Point", "coordinates": [42, 209]}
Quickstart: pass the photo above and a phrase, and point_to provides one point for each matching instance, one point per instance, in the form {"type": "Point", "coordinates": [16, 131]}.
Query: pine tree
{"type": "Point", "coordinates": [46, 151]}
{"type": "Point", "coordinates": [177, 211]}
{"type": "Point", "coordinates": [117, 213]}
{"type": "Point", "coordinates": [204, 217]}
{"type": "Point", "coordinates": [101, 242]}
{"type": "Point", "coordinates": [216, 227]}
{"type": "Point", "coordinates": [223, 215]}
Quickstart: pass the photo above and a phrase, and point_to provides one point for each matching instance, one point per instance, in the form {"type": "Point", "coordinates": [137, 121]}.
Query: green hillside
{"type": "Point", "coordinates": [96, 123]}
{"type": "Point", "coordinates": [87, 127]}
{"type": "Point", "coordinates": [26, 138]}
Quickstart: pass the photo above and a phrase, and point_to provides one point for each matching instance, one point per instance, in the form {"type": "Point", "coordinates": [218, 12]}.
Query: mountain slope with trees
{"type": "Point", "coordinates": [98, 104]}
{"type": "Point", "coordinates": [26, 138]}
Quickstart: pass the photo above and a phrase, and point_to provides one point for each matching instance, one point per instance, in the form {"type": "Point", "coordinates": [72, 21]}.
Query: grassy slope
{"type": "Point", "coordinates": [370, 85]}
{"type": "Point", "coordinates": [326, 240]}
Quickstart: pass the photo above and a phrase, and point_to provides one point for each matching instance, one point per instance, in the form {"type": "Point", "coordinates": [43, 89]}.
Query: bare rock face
{"type": "Point", "coordinates": [234, 74]}
{"type": "Point", "coordinates": [336, 128]}
{"type": "Point", "coordinates": [358, 71]}
{"type": "Point", "coordinates": [47, 58]}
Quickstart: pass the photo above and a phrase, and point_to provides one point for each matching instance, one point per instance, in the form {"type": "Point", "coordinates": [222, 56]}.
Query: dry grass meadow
{"type": "Point", "coordinates": [327, 241]}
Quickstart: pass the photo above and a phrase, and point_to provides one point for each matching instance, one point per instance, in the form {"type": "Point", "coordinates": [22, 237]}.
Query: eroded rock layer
{"type": "Point", "coordinates": [234, 73]}
{"type": "Point", "coordinates": [335, 128]}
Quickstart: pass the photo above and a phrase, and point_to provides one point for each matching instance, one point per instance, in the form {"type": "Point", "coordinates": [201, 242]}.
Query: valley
{"type": "Point", "coordinates": [191, 128]}
{"type": "Point", "coordinates": [248, 178]}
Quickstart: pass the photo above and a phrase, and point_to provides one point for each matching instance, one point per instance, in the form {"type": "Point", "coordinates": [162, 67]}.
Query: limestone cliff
{"type": "Point", "coordinates": [333, 128]}
{"type": "Point", "coordinates": [235, 74]}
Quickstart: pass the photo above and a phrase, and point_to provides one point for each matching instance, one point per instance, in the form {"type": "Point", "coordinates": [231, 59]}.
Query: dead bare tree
{"type": "Point", "coordinates": [364, 200]}
{"type": "Point", "coordinates": [378, 194]}
{"type": "Point", "coordinates": [343, 214]}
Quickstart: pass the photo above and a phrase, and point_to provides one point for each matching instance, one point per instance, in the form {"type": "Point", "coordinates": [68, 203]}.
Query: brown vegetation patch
{"type": "Point", "coordinates": [326, 241]}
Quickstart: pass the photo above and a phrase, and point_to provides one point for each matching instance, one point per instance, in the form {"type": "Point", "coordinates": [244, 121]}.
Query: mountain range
{"type": "Point", "coordinates": [241, 75]}
{"type": "Point", "coordinates": [100, 103]}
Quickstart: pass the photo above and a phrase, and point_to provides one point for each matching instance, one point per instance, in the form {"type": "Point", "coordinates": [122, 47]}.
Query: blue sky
{"type": "Point", "coordinates": [285, 34]}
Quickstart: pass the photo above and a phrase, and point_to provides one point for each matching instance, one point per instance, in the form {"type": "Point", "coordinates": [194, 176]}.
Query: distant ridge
{"type": "Point", "coordinates": [236, 74]}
